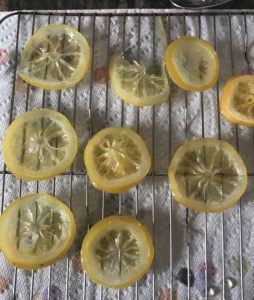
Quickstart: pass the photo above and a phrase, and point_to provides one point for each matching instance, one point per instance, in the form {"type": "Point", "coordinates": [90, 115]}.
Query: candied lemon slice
{"type": "Point", "coordinates": [39, 144]}
{"type": "Point", "coordinates": [192, 63]}
{"type": "Point", "coordinates": [207, 175]}
{"type": "Point", "coordinates": [117, 251]}
{"type": "Point", "coordinates": [36, 231]}
{"type": "Point", "coordinates": [55, 57]}
{"type": "Point", "coordinates": [116, 159]}
{"type": "Point", "coordinates": [237, 100]}
{"type": "Point", "coordinates": [137, 84]}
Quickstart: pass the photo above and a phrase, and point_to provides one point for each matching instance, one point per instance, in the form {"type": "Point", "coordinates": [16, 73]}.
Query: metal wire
{"type": "Point", "coordinates": [11, 104]}
{"type": "Point", "coordinates": [219, 136]}
{"type": "Point", "coordinates": [203, 135]}
{"type": "Point", "coordinates": [122, 123]}
{"type": "Point", "coordinates": [237, 147]}
{"type": "Point", "coordinates": [207, 12]}
{"type": "Point", "coordinates": [37, 183]}
{"type": "Point", "coordinates": [153, 174]}
{"type": "Point", "coordinates": [138, 116]}
{"type": "Point", "coordinates": [20, 182]}
{"type": "Point", "coordinates": [170, 193]}
{"type": "Point", "coordinates": [90, 134]}
{"type": "Point", "coordinates": [106, 118]}
{"type": "Point", "coordinates": [187, 209]}
{"type": "Point", "coordinates": [153, 162]}
{"type": "Point", "coordinates": [122, 113]}
{"type": "Point", "coordinates": [71, 176]}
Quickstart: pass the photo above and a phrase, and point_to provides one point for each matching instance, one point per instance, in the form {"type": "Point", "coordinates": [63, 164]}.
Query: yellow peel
{"type": "Point", "coordinates": [228, 107]}
{"type": "Point", "coordinates": [207, 175]}
{"type": "Point", "coordinates": [133, 83]}
{"type": "Point", "coordinates": [93, 239]}
{"type": "Point", "coordinates": [23, 142]}
{"type": "Point", "coordinates": [184, 66]}
{"type": "Point", "coordinates": [116, 159]}
{"type": "Point", "coordinates": [56, 58]}
{"type": "Point", "coordinates": [27, 260]}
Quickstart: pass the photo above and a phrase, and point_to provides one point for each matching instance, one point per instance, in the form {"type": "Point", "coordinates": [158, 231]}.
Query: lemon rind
{"type": "Point", "coordinates": [118, 185]}
{"type": "Point", "coordinates": [174, 75]}
{"type": "Point", "coordinates": [133, 99]}
{"type": "Point", "coordinates": [226, 109]}
{"type": "Point", "coordinates": [53, 86]}
{"type": "Point", "coordinates": [193, 204]}
{"type": "Point", "coordinates": [40, 176]}
{"type": "Point", "coordinates": [30, 266]}
{"type": "Point", "coordinates": [102, 225]}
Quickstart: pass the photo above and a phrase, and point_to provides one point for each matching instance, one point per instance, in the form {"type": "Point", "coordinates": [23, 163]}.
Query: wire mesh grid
{"type": "Point", "coordinates": [160, 209]}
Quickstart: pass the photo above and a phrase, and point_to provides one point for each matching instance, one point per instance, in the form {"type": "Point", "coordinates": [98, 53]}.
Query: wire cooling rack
{"type": "Point", "coordinates": [170, 224]}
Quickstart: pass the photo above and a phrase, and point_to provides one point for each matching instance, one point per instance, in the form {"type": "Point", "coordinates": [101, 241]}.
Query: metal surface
{"type": "Point", "coordinates": [153, 174]}
{"type": "Point", "coordinates": [198, 4]}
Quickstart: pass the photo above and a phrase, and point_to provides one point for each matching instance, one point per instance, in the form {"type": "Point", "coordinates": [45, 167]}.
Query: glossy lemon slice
{"type": "Point", "coordinates": [137, 84]}
{"type": "Point", "coordinates": [35, 231]}
{"type": "Point", "coordinates": [207, 175]}
{"type": "Point", "coordinates": [237, 100]}
{"type": "Point", "coordinates": [117, 251]}
{"type": "Point", "coordinates": [55, 57]}
{"type": "Point", "coordinates": [39, 144]}
{"type": "Point", "coordinates": [192, 63]}
{"type": "Point", "coordinates": [116, 159]}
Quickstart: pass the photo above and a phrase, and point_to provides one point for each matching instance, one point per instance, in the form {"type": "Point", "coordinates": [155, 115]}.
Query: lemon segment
{"type": "Point", "coordinates": [237, 100]}
{"type": "Point", "coordinates": [39, 145]}
{"type": "Point", "coordinates": [207, 175]}
{"type": "Point", "coordinates": [36, 231]}
{"type": "Point", "coordinates": [116, 159]}
{"type": "Point", "coordinates": [192, 63]}
{"type": "Point", "coordinates": [117, 251]}
{"type": "Point", "coordinates": [136, 84]}
{"type": "Point", "coordinates": [55, 57]}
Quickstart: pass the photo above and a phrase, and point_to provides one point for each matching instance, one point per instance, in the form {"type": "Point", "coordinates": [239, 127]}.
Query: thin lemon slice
{"type": "Point", "coordinates": [136, 84]}
{"type": "Point", "coordinates": [207, 175]}
{"type": "Point", "coordinates": [39, 144]}
{"type": "Point", "coordinates": [55, 57]}
{"type": "Point", "coordinates": [117, 251]}
{"type": "Point", "coordinates": [192, 63]}
{"type": "Point", "coordinates": [116, 159]}
{"type": "Point", "coordinates": [35, 231]}
{"type": "Point", "coordinates": [237, 100]}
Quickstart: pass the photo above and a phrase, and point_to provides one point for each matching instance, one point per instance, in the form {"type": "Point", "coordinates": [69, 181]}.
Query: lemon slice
{"type": "Point", "coordinates": [35, 231]}
{"type": "Point", "coordinates": [237, 100]}
{"type": "Point", "coordinates": [116, 159]}
{"type": "Point", "coordinates": [207, 175]}
{"type": "Point", "coordinates": [192, 63]}
{"type": "Point", "coordinates": [117, 251]}
{"type": "Point", "coordinates": [136, 84]}
{"type": "Point", "coordinates": [55, 57]}
{"type": "Point", "coordinates": [39, 144]}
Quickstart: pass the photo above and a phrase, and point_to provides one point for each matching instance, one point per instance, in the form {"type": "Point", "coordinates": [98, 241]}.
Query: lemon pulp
{"type": "Point", "coordinates": [55, 57]}
{"type": "Point", "coordinates": [116, 159]}
{"type": "Point", "coordinates": [207, 175]}
{"type": "Point", "coordinates": [192, 63]}
{"type": "Point", "coordinates": [237, 100]}
{"type": "Point", "coordinates": [36, 230]}
{"type": "Point", "coordinates": [117, 251]}
{"type": "Point", "coordinates": [137, 84]}
{"type": "Point", "coordinates": [39, 144]}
